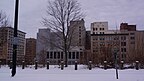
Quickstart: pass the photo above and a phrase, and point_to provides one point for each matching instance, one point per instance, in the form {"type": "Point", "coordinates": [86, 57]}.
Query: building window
{"type": "Point", "coordinates": [54, 55]}
{"type": "Point", "coordinates": [132, 33]}
{"type": "Point", "coordinates": [93, 29]}
{"type": "Point", "coordinates": [123, 38]}
{"type": "Point", "coordinates": [51, 55]}
{"type": "Point", "coordinates": [73, 55]}
{"type": "Point", "coordinates": [96, 28]}
{"type": "Point", "coordinates": [101, 32]}
{"type": "Point", "coordinates": [132, 38]}
{"type": "Point", "coordinates": [69, 55]}
{"type": "Point", "coordinates": [123, 43]}
{"type": "Point", "coordinates": [48, 55]}
{"type": "Point", "coordinates": [61, 55]}
{"type": "Point", "coordinates": [58, 55]}
{"type": "Point", "coordinates": [101, 38]}
{"type": "Point", "coordinates": [77, 55]}
{"type": "Point", "coordinates": [123, 49]}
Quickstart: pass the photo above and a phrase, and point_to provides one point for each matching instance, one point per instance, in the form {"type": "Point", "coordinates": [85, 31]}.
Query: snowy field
{"type": "Point", "coordinates": [69, 74]}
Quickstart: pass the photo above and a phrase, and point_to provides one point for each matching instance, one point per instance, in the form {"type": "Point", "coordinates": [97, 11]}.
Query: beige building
{"type": "Point", "coordinates": [99, 27]}
{"type": "Point", "coordinates": [103, 45]}
{"type": "Point", "coordinates": [6, 48]}
{"type": "Point", "coordinates": [128, 41]}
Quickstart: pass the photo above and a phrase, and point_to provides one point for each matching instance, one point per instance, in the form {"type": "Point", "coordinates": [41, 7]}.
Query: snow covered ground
{"type": "Point", "coordinates": [69, 74]}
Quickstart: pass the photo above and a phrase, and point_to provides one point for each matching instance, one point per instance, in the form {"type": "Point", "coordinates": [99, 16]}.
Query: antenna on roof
{"type": "Point", "coordinates": [116, 28]}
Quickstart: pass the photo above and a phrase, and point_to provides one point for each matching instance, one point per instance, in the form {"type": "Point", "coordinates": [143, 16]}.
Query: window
{"type": "Point", "coordinates": [48, 55]}
{"type": "Point", "coordinates": [61, 55]}
{"type": "Point", "coordinates": [58, 55]}
{"type": "Point", "coordinates": [116, 38]}
{"type": "Point", "coordinates": [77, 55]}
{"type": "Point", "coordinates": [101, 28]}
{"type": "Point", "coordinates": [101, 32]}
{"type": "Point", "coordinates": [101, 38]}
{"type": "Point", "coordinates": [54, 55]}
{"type": "Point", "coordinates": [69, 55]}
{"type": "Point", "coordinates": [51, 55]}
{"type": "Point", "coordinates": [73, 55]}
{"type": "Point", "coordinates": [132, 38]}
{"type": "Point", "coordinates": [132, 33]}
{"type": "Point", "coordinates": [123, 38]}
{"type": "Point", "coordinates": [123, 43]}
{"type": "Point", "coordinates": [93, 29]}
{"type": "Point", "coordinates": [102, 44]}
{"type": "Point", "coordinates": [96, 28]}
{"type": "Point", "coordinates": [123, 49]}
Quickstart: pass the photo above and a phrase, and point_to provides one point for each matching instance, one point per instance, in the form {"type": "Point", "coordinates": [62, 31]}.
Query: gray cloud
{"type": "Point", "coordinates": [113, 11]}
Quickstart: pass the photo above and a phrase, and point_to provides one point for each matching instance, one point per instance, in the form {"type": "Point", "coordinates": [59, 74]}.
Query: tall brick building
{"type": "Point", "coordinates": [30, 53]}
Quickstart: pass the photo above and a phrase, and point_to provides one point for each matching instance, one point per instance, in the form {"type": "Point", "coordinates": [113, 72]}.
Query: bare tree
{"type": "Point", "coordinates": [4, 21]}
{"type": "Point", "coordinates": [59, 13]}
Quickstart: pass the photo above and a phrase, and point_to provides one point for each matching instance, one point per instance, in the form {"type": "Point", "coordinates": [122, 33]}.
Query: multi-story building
{"type": "Point", "coordinates": [136, 42]}
{"type": "Point", "coordinates": [54, 43]}
{"type": "Point", "coordinates": [99, 27]}
{"type": "Point", "coordinates": [30, 53]}
{"type": "Point", "coordinates": [126, 41]}
{"type": "Point", "coordinates": [103, 45]}
{"type": "Point", "coordinates": [6, 47]}
{"type": "Point", "coordinates": [42, 44]}
{"type": "Point", "coordinates": [78, 33]}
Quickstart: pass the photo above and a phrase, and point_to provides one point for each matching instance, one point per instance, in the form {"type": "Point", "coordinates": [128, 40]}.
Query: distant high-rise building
{"type": "Point", "coordinates": [42, 44]}
{"type": "Point", "coordinates": [30, 53]}
{"type": "Point", "coordinates": [78, 32]}
{"type": "Point", "coordinates": [6, 44]}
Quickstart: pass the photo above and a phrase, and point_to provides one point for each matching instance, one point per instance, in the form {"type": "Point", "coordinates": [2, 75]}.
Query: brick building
{"type": "Point", "coordinates": [30, 53]}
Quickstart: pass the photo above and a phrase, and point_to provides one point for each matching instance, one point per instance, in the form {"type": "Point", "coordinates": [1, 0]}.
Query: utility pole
{"type": "Point", "coordinates": [115, 60]}
{"type": "Point", "coordinates": [15, 43]}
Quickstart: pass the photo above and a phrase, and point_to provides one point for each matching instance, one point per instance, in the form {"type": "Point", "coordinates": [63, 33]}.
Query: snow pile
{"type": "Point", "coordinates": [69, 74]}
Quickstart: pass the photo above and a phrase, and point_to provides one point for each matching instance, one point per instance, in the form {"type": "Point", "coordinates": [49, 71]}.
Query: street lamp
{"type": "Point", "coordinates": [115, 59]}
{"type": "Point", "coordinates": [15, 43]}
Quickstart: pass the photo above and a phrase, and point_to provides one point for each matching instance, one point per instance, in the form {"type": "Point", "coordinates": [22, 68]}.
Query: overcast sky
{"type": "Point", "coordinates": [113, 11]}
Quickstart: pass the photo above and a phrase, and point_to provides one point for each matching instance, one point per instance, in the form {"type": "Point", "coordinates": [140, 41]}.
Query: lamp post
{"type": "Point", "coordinates": [115, 59]}
{"type": "Point", "coordinates": [15, 39]}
